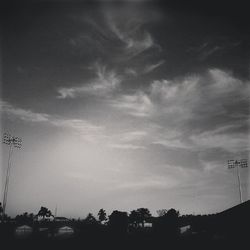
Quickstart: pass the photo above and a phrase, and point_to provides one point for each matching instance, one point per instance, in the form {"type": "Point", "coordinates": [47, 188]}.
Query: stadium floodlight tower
{"type": "Point", "coordinates": [238, 163]}
{"type": "Point", "coordinates": [16, 142]}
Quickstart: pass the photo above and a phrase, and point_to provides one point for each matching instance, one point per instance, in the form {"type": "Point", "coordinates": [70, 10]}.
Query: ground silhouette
{"type": "Point", "coordinates": [135, 230]}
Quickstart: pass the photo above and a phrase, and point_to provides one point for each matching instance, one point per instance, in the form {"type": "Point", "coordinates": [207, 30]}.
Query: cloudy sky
{"type": "Point", "coordinates": [125, 104]}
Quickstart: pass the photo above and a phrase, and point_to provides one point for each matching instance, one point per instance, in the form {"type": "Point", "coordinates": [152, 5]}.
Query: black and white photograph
{"type": "Point", "coordinates": [124, 124]}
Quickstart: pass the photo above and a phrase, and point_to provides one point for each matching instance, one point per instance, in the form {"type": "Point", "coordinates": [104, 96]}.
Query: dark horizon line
{"type": "Point", "coordinates": [152, 216]}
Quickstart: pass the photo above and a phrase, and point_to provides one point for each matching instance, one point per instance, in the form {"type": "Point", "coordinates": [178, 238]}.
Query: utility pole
{"type": "Point", "coordinates": [16, 142]}
{"type": "Point", "coordinates": [238, 164]}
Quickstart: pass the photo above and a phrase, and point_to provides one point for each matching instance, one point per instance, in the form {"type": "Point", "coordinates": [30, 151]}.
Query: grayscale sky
{"type": "Point", "coordinates": [124, 104]}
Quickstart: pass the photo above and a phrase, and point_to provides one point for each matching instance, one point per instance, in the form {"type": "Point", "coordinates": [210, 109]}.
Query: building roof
{"type": "Point", "coordinates": [240, 210]}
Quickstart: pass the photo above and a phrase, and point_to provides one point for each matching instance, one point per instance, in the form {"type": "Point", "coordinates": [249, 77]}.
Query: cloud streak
{"type": "Point", "coordinates": [126, 146]}
{"type": "Point", "coordinates": [23, 114]}
{"type": "Point", "coordinates": [105, 83]}
{"type": "Point", "coordinates": [135, 39]}
{"type": "Point", "coordinates": [190, 113]}
{"type": "Point", "coordinates": [152, 67]}
{"type": "Point", "coordinates": [138, 104]}
{"type": "Point", "coordinates": [202, 109]}
{"type": "Point", "coordinates": [84, 128]}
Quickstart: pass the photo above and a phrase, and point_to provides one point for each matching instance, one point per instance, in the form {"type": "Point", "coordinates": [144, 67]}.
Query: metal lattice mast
{"type": "Point", "coordinates": [16, 142]}
{"type": "Point", "coordinates": [238, 163]}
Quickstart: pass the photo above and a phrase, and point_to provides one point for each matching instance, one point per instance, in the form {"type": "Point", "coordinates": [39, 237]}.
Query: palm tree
{"type": "Point", "coordinates": [44, 212]}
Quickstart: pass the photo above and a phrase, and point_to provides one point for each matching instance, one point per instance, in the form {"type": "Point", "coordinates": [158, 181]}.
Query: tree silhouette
{"type": "Point", "coordinates": [24, 218]}
{"type": "Point", "coordinates": [143, 214]}
{"type": "Point", "coordinates": [173, 213]}
{"type": "Point", "coordinates": [134, 218]}
{"type": "Point", "coordinates": [90, 219]}
{"type": "Point", "coordinates": [161, 212]}
{"type": "Point", "coordinates": [44, 212]}
{"type": "Point", "coordinates": [168, 223]}
{"type": "Point", "coordinates": [118, 221]}
{"type": "Point", "coordinates": [102, 216]}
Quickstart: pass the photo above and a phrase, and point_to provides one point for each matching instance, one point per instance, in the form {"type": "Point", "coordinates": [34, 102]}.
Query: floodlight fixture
{"type": "Point", "coordinates": [12, 141]}
{"type": "Point", "coordinates": [238, 164]}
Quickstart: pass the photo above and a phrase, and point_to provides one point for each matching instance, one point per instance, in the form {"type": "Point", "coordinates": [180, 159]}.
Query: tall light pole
{"type": "Point", "coordinates": [238, 163]}
{"type": "Point", "coordinates": [16, 142]}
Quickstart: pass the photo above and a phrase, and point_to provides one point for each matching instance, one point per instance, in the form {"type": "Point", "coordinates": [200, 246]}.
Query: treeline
{"type": "Point", "coordinates": [168, 221]}
{"type": "Point", "coordinates": [136, 229]}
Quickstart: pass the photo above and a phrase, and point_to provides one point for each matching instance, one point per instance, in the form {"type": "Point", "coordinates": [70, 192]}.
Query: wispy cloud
{"type": "Point", "coordinates": [133, 135]}
{"type": "Point", "coordinates": [130, 72]}
{"type": "Point", "coordinates": [205, 50]}
{"type": "Point", "coordinates": [105, 83]}
{"type": "Point", "coordinates": [152, 182]}
{"type": "Point", "coordinates": [213, 46]}
{"type": "Point", "coordinates": [138, 104]}
{"type": "Point", "coordinates": [152, 67]}
{"type": "Point", "coordinates": [227, 137]}
{"type": "Point", "coordinates": [167, 177]}
{"type": "Point", "coordinates": [202, 109]}
{"type": "Point", "coordinates": [208, 52]}
{"type": "Point", "coordinates": [116, 34]}
{"type": "Point", "coordinates": [196, 112]}
{"type": "Point", "coordinates": [134, 72]}
{"type": "Point", "coordinates": [116, 40]}
{"type": "Point", "coordinates": [87, 130]}
{"type": "Point", "coordinates": [231, 143]}
{"type": "Point", "coordinates": [131, 33]}
{"type": "Point", "coordinates": [23, 114]}
{"type": "Point", "coordinates": [223, 83]}
{"type": "Point", "coordinates": [126, 146]}
{"type": "Point", "coordinates": [173, 143]}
